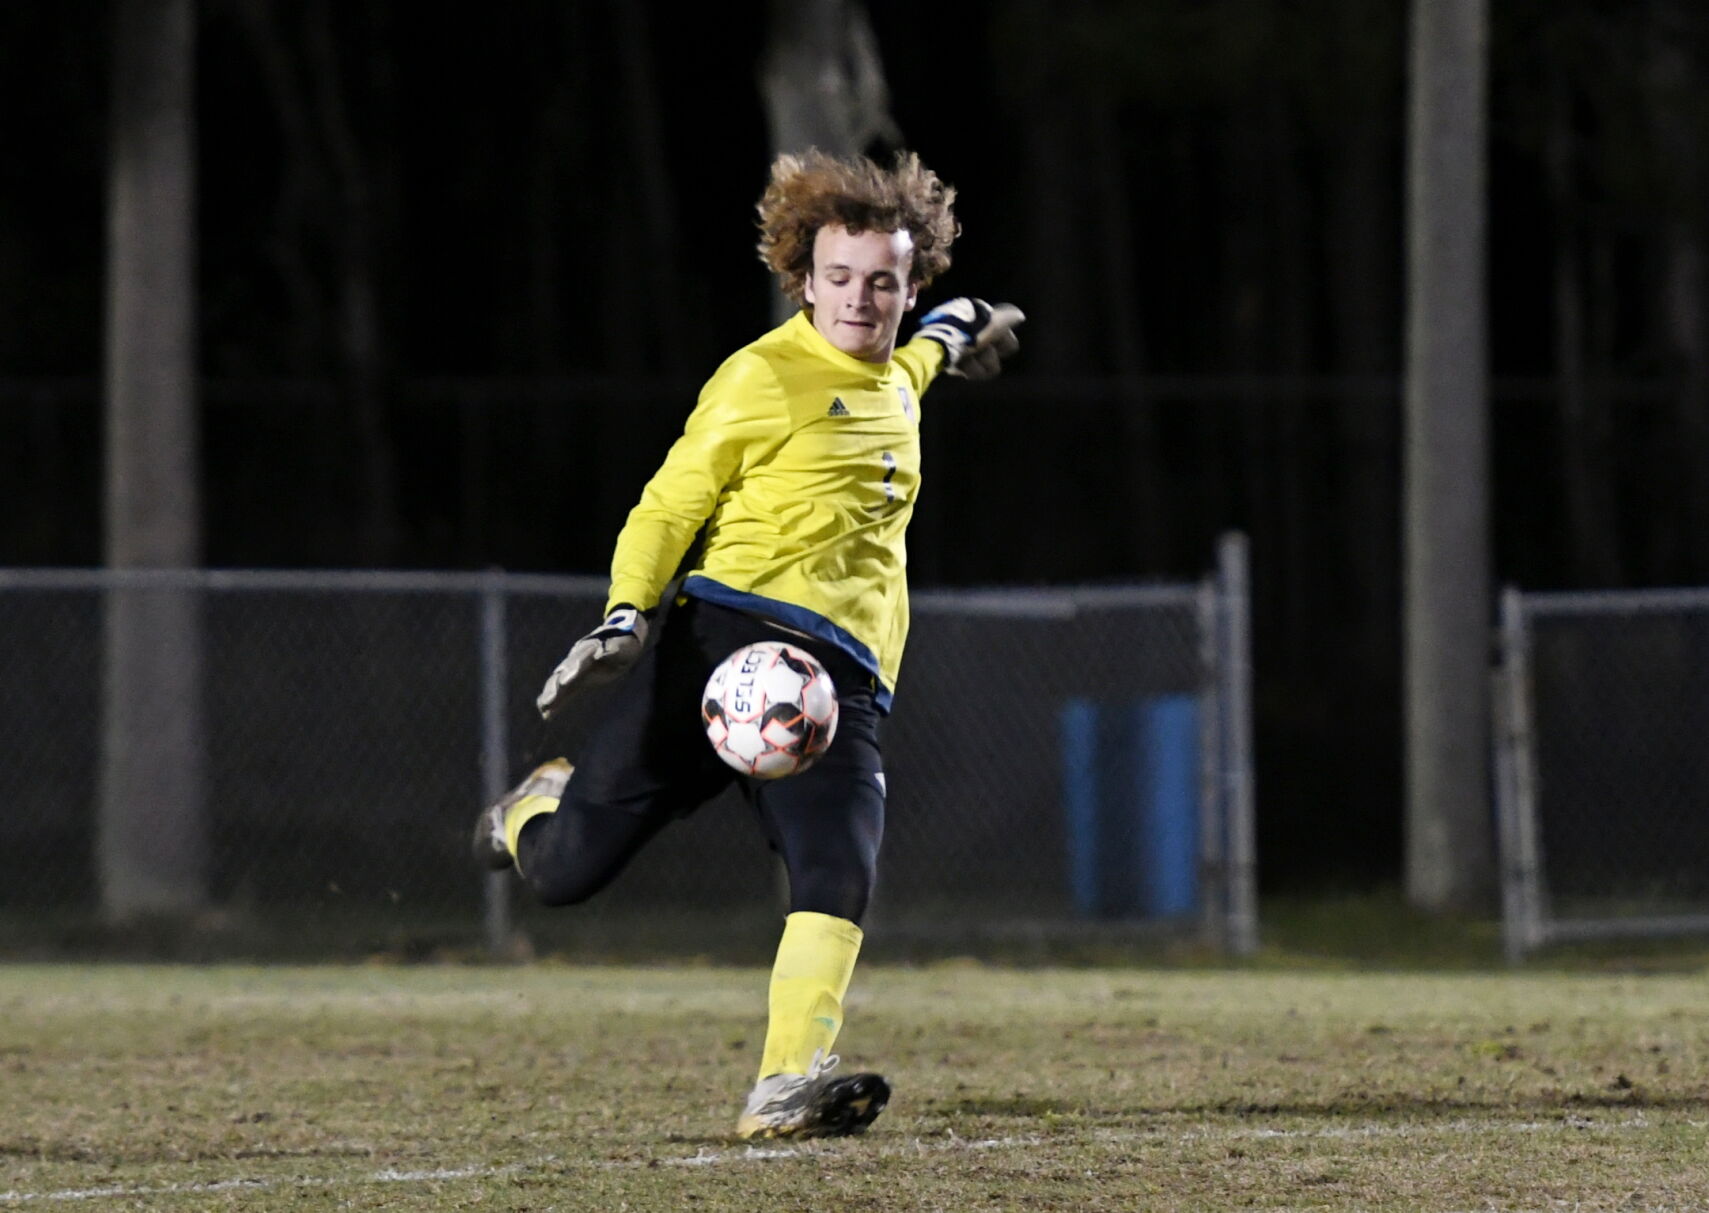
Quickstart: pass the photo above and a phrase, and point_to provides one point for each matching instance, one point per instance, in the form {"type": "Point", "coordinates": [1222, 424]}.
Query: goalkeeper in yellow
{"type": "Point", "coordinates": [799, 467]}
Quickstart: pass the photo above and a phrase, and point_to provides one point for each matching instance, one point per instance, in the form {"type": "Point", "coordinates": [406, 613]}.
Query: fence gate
{"type": "Point", "coordinates": [1602, 765]}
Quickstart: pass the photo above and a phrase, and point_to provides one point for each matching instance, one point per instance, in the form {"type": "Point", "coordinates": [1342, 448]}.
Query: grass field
{"type": "Point", "coordinates": [557, 1087]}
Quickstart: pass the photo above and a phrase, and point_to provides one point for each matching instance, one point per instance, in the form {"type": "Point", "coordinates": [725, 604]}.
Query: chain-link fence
{"type": "Point", "coordinates": [1059, 760]}
{"type": "Point", "coordinates": [1602, 769]}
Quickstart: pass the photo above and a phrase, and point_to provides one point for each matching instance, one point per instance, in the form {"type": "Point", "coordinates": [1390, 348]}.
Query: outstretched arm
{"type": "Point", "coordinates": [739, 416]}
{"type": "Point", "coordinates": [976, 336]}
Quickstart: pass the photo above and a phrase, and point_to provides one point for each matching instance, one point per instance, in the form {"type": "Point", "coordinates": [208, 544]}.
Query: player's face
{"type": "Point", "coordinates": [859, 289]}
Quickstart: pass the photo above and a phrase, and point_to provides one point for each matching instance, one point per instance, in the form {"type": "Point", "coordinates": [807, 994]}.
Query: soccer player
{"type": "Point", "coordinates": [798, 467]}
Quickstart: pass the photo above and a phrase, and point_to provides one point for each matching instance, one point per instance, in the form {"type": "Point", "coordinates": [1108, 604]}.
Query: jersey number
{"type": "Point", "coordinates": [889, 462]}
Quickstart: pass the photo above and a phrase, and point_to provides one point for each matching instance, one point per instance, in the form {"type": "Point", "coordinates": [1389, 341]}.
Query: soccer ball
{"type": "Point", "coordinates": [770, 709]}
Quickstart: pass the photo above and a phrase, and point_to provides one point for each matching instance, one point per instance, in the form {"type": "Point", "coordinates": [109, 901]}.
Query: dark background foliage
{"type": "Point", "coordinates": [463, 268]}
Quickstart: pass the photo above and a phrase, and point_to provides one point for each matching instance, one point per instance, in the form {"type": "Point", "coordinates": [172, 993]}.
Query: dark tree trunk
{"type": "Point", "coordinates": [1362, 264]}
{"type": "Point", "coordinates": [336, 192]}
{"type": "Point", "coordinates": [651, 192]}
{"type": "Point", "coordinates": [1674, 90]}
{"type": "Point", "coordinates": [822, 80]}
{"type": "Point", "coordinates": [361, 177]}
{"type": "Point", "coordinates": [1301, 478]}
{"type": "Point", "coordinates": [1142, 493]}
{"type": "Point", "coordinates": [1583, 419]}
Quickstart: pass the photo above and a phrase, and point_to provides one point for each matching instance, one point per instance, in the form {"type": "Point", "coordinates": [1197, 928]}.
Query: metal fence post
{"type": "Point", "coordinates": [1237, 766]}
{"type": "Point", "coordinates": [1516, 807]}
{"type": "Point", "coordinates": [494, 747]}
{"type": "Point", "coordinates": [1213, 822]}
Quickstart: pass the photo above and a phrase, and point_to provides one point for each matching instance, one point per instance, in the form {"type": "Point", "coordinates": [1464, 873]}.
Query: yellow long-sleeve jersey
{"type": "Point", "coordinates": [803, 465]}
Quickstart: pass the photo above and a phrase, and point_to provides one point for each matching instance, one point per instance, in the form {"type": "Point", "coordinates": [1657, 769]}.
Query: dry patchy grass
{"type": "Point", "coordinates": [555, 1087]}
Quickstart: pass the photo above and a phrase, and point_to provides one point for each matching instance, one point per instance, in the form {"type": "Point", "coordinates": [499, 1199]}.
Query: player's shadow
{"type": "Point", "coordinates": [1351, 1113]}
{"type": "Point", "coordinates": [1618, 1098]}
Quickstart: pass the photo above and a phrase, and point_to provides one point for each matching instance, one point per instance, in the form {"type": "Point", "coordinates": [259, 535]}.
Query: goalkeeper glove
{"type": "Point", "coordinates": [596, 659]}
{"type": "Point", "coordinates": [976, 336]}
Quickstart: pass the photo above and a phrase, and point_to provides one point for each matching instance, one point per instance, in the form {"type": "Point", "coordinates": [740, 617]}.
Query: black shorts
{"type": "Point", "coordinates": [647, 762]}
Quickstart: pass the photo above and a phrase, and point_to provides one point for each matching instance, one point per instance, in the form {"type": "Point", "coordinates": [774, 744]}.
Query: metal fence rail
{"type": "Point", "coordinates": [354, 721]}
{"type": "Point", "coordinates": [1602, 772]}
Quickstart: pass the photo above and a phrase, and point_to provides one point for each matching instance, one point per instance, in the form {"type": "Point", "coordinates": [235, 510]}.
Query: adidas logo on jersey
{"type": "Point", "coordinates": [837, 409]}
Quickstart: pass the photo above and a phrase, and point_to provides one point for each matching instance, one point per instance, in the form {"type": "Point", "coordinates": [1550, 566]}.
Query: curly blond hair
{"type": "Point", "coordinates": [810, 191]}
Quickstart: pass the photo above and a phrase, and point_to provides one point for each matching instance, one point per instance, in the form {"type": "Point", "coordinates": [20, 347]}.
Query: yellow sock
{"type": "Point", "coordinates": [520, 814]}
{"type": "Point", "coordinates": [815, 959]}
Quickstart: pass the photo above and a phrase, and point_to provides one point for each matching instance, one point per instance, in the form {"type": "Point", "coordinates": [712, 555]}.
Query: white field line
{"type": "Point", "coordinates": [760, 1154]}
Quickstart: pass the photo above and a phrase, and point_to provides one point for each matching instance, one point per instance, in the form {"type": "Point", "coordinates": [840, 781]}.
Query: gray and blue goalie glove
{"type": "Point", "coordinates": [975, 335]}
{"type": "Point", "coordinates": [598, 658]}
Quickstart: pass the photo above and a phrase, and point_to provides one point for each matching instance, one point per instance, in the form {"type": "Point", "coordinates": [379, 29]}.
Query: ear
{"type": "Point", "coordinates": [807, 289]}
{"type": "Point", "coordinates": [913, 295]}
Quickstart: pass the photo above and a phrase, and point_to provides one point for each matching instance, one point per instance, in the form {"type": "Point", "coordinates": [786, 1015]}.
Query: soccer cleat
{"type": "Point", "coordinates": [812, 1104]}
{"type": "Point", "coordinates": [491, 845]}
